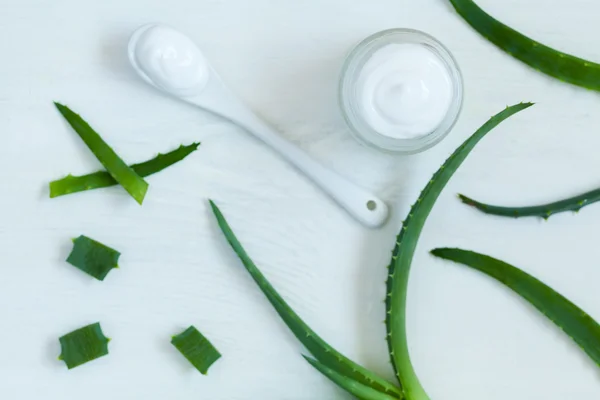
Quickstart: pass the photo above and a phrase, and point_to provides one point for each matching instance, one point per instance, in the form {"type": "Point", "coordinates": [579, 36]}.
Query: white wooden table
{"type": "Point", "coordinates": [470, 338]}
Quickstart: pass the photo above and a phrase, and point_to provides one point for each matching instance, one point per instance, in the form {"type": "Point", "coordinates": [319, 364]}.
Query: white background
{"type": "Point", "coordinates": [470, 338]}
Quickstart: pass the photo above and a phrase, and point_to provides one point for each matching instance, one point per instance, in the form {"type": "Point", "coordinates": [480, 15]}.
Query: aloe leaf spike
{"type": "Point", "coordinates": [571, 319]}
{"type": "Point", "coordinates": [135, 185]}
{"type": "Point", "coordinates": [357, 389]}
{"type": "Point", "coordinates": [101, 179]}
{"type": "Point", "coordinates": [406, 243]}
{"type": "Point", "coordinates": [322, 351]}
{"type": "Point", "coordinates": [544, 211]}
{"type": "Point", "coordinates": [554, 63]}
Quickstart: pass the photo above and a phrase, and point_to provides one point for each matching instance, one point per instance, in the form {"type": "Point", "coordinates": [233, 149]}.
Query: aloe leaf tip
{"type": "Point", "coordinates": [332, 363]}
{"type": "Point", "coordinates": [406, 244]}
{"type": "Point", "coordinates": [571, 319]}
{"type": "Point", "coordinates": [214, 207]}
{"type": "Point", "coordinates": [440, 252]}
{"type": "Point", "coordinates": [552, 62]}
{"type": "Point", "coordinates": [134, 184]}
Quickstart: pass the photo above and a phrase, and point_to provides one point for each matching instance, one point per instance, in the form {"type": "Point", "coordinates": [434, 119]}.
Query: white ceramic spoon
{"type": "Point", "coordinates": [170, 61]}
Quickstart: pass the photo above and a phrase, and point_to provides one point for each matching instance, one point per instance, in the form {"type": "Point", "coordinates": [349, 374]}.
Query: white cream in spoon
{"type": "Point", "coordinates": [171, 60]}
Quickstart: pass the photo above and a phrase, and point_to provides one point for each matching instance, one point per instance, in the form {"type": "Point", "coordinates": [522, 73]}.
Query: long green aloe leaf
{"type": "Point", "coordinates": [406, 243]}
{"type": "Point", "coordinates": [552, 62]}
{"type": "Point", "coordinates": [322, 351]}
{"type": "Point", "coordinates": [135, 185]}
{"type": "Point", "coordinates": [357, 389]}
{"type": "Point", "coordinates": [196, 348]}
{"type": "Point", "coordinates": [566, 315]}
{"type": "Point", "coordinates": [101, 179]}
{"type": "Point", "coordinates": [543, 211]}
{"type": "Point", "coordinates": [83, 345]}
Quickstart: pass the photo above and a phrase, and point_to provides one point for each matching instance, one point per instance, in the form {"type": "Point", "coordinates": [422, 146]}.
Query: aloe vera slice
{"type": "Point", "coordinates": [566, 315]}
{"type": "Point", "coordinates": [93, 258]}
{"type": "Point", "coordinates": [552, 62]}
{"type": "Point", "coordinates": [198, 350]}
{"type": "Point", "coordinates": [544, 211]}
{"type": "Point", "coordinates": [116, 167]}
{"type": "Point", "coordinates": [83, 345]}
{"type": "Point", "coordinates": [101, 179]}
{"type": "Point", "coordinates": [322, 351]}
{"type": "Point", "coordinates": [404, 250]}
{"type": "Point", "coordinates": [357, 389]}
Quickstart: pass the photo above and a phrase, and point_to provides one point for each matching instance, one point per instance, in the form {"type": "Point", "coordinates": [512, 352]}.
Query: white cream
{"type": "Point", "coordinates": [404, 91]}
{"type": "Point", "coordinates": [171, 60]}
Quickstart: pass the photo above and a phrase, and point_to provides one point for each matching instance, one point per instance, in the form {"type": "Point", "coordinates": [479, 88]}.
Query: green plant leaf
{"type": "Point", "coordinates": [406, 243]}
{"type": "Point", "coordinates": [355, 388]}
{"type": "Point", "coordinates": [544, 211]}
{"type": "Point", "coordinates": [196, 348]}
{"type": "Point", "coordinates": [131, 182]}
{"type": "Point", "coordinates": [101, 179]}
{"type": "Point", "coordinates": [83, 345]}
{"type": "Point", "coordinates": [566, 315]}
{"type": "Point", "coordinates": [322, 351]}
{"type": "Point", "coordinates": [552, 62]}
{"type": "Point", "coordinates": [93, 257]}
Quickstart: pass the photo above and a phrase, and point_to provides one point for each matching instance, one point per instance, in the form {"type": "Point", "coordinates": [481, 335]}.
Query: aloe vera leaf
{"type": "Point", "coordinates": [404, 250]}
{"type": "Point", "coordinates": [552, 62]}
{"type": "Point", "coordinates": [93, 258]}
{"type": "Point", "coordinates": [355, 388]}
{"type": "Point", "coordinates": [543, 211]}
{"type": "Point", "coordinates": [198, 350]}
{"type": "Point", "coordinates": [566, 315]}
{"type": "Point", "coordinates": [116, 167]}
{"type": "Point", "coordinates": [322, 351]}
{"type": "Point", "coordinates": [101, 179]}
{"type": "Point", "coordinates": [83, 345]}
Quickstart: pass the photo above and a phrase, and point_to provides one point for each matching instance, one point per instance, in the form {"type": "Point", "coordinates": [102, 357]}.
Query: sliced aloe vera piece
{"type": "Point", "coordinates": [567, 316]}
{"type": "Point", "coordinates": [357, 389]}
{"type": "Point", "coordinates": [545, 59]}
{"type": "Point", "coordinates": [544, 211]}
{"type": "Point", "coordinates": [83, 345]}
{"type": "Point", "coordinates": [93, 258]}
{"type": "Point", "coordinates": [116, 167]}
{"type": "Point", "coordinates": [406, 243]}
{"type": "Point", "coordinates": [101, 179]}
{"type": "Point", "coordinates": [198, 350]}
{"type": "Point", "coordinates": [322, 351]}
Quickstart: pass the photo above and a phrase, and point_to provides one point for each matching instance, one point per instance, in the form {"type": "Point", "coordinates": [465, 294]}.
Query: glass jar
{"type": "Point", "coordinates": [348, 97]}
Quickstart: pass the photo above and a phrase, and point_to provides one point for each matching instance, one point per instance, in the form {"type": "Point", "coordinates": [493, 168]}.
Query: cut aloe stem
{"type": "Point", "coordinates": [357, 389]}
{"type": "Point", "coordinates": [101, 179]}
{"type": "Point", "coordinates": [135, 185]}
{"type": "Point", "coordinates": [83, 345]}
{"type": "Point", "coordinates": [566, 315]}
{"type": "Point", "coordinates": [320, 349]}
{"type": "Point", "coordinates": [198, 350]}
{"type": "Point", "coordinates": [406, 243]}
{"type": "Point", "coordinates": [552, 62]}
{"type": "Point", "coordinates": [93, 258]}
{"type": "Point", "coordinates": [544, 211]}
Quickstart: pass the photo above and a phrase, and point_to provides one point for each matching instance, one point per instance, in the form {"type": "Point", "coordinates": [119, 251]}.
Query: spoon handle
{"type": "Point", "coordinates": [362, 205]}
